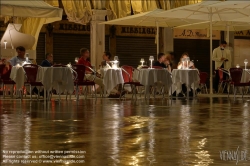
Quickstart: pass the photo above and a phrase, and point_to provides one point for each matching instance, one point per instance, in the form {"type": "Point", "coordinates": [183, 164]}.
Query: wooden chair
{"type": "Point", "coordinates": [31, 74]}
{"type": "Point", "coordinates": [236, 74]}
{"type": "Point", "coordinates": [80, 79]}
{"type": "Point", "coordinates": [127, 73]}
{"type": "Point", "coordinates": [203, 80]}
{"type": "Point", "coordinates": [5, 78]}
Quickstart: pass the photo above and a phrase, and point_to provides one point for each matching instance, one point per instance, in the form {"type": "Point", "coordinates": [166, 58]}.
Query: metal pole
{"type": "Point", "coordinates": [157, 37]}
{"type": "Point", "coordinates": [227, 35]}
{"type": "Point", "coordinates": [211, 55]}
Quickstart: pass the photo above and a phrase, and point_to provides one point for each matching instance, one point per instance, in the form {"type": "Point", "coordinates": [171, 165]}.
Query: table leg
{"type": "Point", "coordinates": [147, 95]}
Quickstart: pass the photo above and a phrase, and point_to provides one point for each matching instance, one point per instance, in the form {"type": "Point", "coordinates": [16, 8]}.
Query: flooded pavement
{"type": "Point", "coordinates": [108, 132]}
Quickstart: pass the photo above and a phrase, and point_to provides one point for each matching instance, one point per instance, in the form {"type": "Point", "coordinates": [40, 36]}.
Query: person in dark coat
{"type": "Point", "coordinates": [48, 62]}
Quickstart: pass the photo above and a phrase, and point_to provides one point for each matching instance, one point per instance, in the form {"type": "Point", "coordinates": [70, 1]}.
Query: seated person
{"type": "Point", "coordinates": [180, 66]}
{"type": "Point", "coordinates": [167, 63]}
{"type": "Point", "coordinates": [19, 58]}
{"type": "Point", "coordinates": [171, 58]}
{"type": "Point", "coordinates": [189, 64]}
{"type": "Point", "coordinates": [84, 52]}
{"type": "Point", "coordinates": [48, 62]}
{"type": "Point", "coordinates": [106, 59]}
{"type": "Point", "coordinates": [160, 61]}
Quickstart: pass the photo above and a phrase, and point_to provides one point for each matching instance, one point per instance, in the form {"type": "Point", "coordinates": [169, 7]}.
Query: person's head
{"type": "Point", "coordinates": [84, 52]}
{"type": "Point", "coordinates": [49, 57]}
{"type": "Point", "coordinates": [184, 55]}
{"type": "Point", "coordinates": [161, 57]}
{"type": "Point", "coordinates": [20, 51]}
{"type": "Point", "coordinates": [170, 55]}
{"type": "Point", "coordinates": [106, 56]}
{"type": "Point", "coordinates": [223, 44]}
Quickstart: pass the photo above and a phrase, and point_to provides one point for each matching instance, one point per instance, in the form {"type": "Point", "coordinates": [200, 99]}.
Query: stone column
{"type": "Point", "coordinates": [168, 40]}
{"type": "Point", "coordinates": [97, 37]}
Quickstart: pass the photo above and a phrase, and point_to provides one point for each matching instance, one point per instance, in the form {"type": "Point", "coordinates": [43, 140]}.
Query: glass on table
{"type": "Point", "coordinates": [116, 58]}
{"type": "Point", "coordinates": [76, 59]}
{"type": "Point", "coordinates": [246, 62]}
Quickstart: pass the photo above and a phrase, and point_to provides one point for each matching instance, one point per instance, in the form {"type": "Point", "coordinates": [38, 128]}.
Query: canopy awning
{"type": "Point", "coordinates": [30, 8]}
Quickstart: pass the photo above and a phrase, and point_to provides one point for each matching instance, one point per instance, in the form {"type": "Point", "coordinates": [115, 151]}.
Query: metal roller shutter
{"type": "Point", "coordinates": [67, 46]}
{"type": "Point", "coordinates": [198, 50]}
{"type": "Point", "coordinates": [106, 43]}
{"type": "Point", "coordinates": [41, 48]}
{"type": "Point", "coordinates": [131, 49]}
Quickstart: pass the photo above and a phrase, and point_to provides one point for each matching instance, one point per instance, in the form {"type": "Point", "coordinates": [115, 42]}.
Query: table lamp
{"type": "Point", "coordinates": [142, 61]}
{"type": "Point", "coordinates": [151, 58]}
{"type": "Point", "coordinates": [245, 61]}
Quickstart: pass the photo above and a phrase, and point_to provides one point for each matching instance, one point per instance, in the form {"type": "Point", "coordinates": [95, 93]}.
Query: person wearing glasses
{"type": "Point", "coordinates": [48, 62]}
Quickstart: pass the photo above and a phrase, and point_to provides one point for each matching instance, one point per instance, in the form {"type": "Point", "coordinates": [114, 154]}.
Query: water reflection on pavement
{"type": "Point", "coordinates": [129, 132]}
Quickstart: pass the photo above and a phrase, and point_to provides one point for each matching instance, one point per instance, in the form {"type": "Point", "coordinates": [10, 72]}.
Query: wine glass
{"type": "Point", "coordinates": [237, 66]}
{"type": "Point", "coordinates": [245, 61]}
{"type": "Point", "coordinates": [76, 59]}
{"type": "Point", "coordinates": [27, 57]}
{"type": "Point", "coordinates": [151, 58]}
{"type": "Point", "coordinates": [115, 58]}
{"type": "Point", "coordinates": [142, 61]}
{"type": "Point", "coordinates": [183, 62]}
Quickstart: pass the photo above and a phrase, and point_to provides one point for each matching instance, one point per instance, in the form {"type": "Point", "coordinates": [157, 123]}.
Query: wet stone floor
{"type": "Point", "coordinates": [107, 132]}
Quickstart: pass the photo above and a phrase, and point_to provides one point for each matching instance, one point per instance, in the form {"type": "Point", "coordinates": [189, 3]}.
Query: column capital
{"type": "Point", "coordinates": [98, 15]}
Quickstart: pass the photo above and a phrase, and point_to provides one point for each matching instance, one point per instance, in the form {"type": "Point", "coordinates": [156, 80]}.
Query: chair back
{"type": "Point", "coordinates": [31, 72]}
{"type": "Point", "coordinates": [5, 72]}
{"type": "Point", "coordinates": [203, 77]}
{"type": "Point", "coordinates": [236, 74]}
{"type": "Point", "coordinates": [80, 70]}
{"type": "Point", "coordinates": [127, 73]}
{"type": "Point", "coordinates": [157, 67]}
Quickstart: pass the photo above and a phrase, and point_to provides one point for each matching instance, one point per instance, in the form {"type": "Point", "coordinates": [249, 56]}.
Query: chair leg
{"type": "Point", "coordinates": [77, 93]}
{"type": "Point", "coordinates": [95, 92]}
{"type": "Point", "coordinates": [235, 90]}
{"type": "Point", "coordinates": [122, 91]}
{"type": "Point", "coordinates": [30, 93]}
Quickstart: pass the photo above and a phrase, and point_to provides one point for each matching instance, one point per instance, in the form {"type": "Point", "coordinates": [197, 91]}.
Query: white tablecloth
{"type": "Point", "coordinates": [60, 78]}
{"type": "Point", "coordinates": [111, 78]}
{"type": "Point", "coordinates": [245, 76]}
{"type": "Point", "coordinates": [148, 77]}
{"type": "Point", "coordinates": [17, 75]}
{"type": "Point", "coordinates": [190, 77]}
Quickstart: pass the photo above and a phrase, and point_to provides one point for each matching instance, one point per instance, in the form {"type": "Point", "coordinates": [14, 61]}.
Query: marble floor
{"type": "Point", "coordinates": [205, 131]}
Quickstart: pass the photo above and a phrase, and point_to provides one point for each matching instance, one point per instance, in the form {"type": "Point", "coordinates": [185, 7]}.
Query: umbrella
{"type": "Point", "coordinates": [149, 19]}
{"type": "Point", "coordinates": [30, 8]}
{"type": "Point", "coordinates": [211, 11]}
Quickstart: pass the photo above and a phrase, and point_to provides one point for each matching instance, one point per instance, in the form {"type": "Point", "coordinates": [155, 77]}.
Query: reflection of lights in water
{"type": "Point", "coordinates": [185, 132]}
{"type": "Point", "coordinates": [202, 155]}
{"type": "Point", "coordinates": [27, 124]}
{"type": "Point", "coordinates": [113, 127]}
{"type": "Point", "coordinates": [245, 128]}
{"type": "Point", "coordinates": [151, 126]}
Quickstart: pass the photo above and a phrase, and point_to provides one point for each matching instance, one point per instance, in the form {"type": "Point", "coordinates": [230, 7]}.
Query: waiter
{"type": "Point", "coordinates": [222, 58]}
